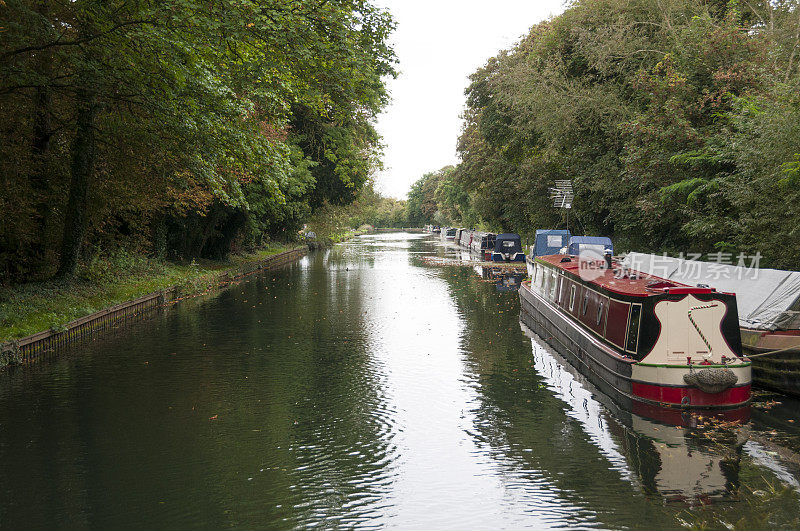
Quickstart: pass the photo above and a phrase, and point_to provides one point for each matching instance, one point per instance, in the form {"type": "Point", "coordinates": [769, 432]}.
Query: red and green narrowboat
{"type": "Point", "coordinates": [654, 340]}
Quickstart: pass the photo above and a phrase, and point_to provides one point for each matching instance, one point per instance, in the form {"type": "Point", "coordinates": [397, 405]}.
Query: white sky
{"type": "Point", "coordinates": [439, 43]}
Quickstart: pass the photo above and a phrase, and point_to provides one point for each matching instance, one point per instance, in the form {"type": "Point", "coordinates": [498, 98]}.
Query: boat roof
{"type": "Point", "coordinates": [508, 236]}
{"type": "Point", "coordinates": [554, 232]}
{"type": "Point", "coordinates": [640, 285]}
{"type": "Point", "coordinates": [591, 240]}
{"type": "Point", "coordinates": [767, 299]}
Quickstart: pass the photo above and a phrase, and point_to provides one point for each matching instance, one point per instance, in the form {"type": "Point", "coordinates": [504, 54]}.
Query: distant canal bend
{"type": "Point", "coordinates": [362, 387]}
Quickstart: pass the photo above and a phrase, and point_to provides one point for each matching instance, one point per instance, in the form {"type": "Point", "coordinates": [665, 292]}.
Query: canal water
{"type": "Point", "coordinates": [364, 387]}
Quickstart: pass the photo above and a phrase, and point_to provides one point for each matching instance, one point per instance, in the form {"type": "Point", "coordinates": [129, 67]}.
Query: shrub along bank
{"type": "Point", "coordinates": [32, 308]}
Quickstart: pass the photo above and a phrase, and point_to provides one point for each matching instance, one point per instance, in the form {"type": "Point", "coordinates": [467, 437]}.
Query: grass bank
{"type": "Point", "coordinates": [31, 308]}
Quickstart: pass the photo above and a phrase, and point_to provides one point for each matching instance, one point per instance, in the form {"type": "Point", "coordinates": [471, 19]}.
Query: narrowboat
{"type": "Point", "coordinates": [483, 244]}
{"type": "Point", "coordinates": [447, 233]}
{"type": "Point", "coordinates": [457, 236]}
{"type": "Point", "coordinates": [769, 310]}
{"type": "Point", "coordinates": [656, 341]}
{"type": "Point", "coordinates": [507, 248]}
{"type": "Point", "coordinates": [465, 239]}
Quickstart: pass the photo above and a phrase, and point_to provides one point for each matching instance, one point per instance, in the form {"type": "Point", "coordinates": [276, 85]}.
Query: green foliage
{"type": "Point", "coordinates": [181, 128]}
{"type": "Point", "coordinates": [678, 123]}
{"type": "Point", "coordinates": [333, 223]}
{"type": "Point", "coordinates": [104, 282]}
{"type": "Point", "coordinates": [422, 206]}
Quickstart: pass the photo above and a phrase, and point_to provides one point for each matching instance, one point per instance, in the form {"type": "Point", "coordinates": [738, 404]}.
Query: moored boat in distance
{"type": "Point", "coordinates": [507, 248]}
{"type": "Point", "coordinates": [479, 242]}
{"type": "Point", "coordinates": [465, 238]}
{"type": "Point", "coordinates": [431, 229]}
{"type": "Point", "coordinates": [447, 233]}
{"type": "Point", "coordinates": [653, 340]}
{"type": "Point", "coordinates": [483, 244]}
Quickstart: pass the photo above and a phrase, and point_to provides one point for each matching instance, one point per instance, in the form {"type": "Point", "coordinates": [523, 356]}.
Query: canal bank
{"type": "Point", "coordinates": [193, 280]}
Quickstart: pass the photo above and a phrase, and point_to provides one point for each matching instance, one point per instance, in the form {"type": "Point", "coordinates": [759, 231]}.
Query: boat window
{"type": "Point", "coordinates": [572, 298]}
{"type": "Point", "coordinates": [553, 286]}
{"type": "Point", "coordinates": [633, 328]}
{"type": "Point", "coordinates": [600, 313]}
{"type": "Point", "coordinates": [585, 303]}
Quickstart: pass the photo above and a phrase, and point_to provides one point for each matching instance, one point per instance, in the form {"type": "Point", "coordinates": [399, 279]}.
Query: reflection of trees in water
{"type": "Point", "coordinates": [530, 433]}
{"type": "Point", "coordinates": [279, 365]}
{"type": "Point", "coordinates": [340, 442]}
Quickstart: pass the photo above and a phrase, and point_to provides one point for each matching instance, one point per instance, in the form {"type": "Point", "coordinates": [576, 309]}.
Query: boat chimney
{"type": "Point", "coordinates": [608, 259]}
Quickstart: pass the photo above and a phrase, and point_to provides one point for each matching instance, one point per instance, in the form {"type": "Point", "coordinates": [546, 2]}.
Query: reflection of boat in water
{"type": "Point", "coordinates": [505, 279]}
{"type": "Point", "coordinates": [655, 450]}
{"type": "Point", "coordinates": [447, 233]}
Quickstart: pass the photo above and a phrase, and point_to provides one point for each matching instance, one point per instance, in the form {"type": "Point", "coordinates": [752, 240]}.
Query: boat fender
{"type": "Point", "coordinates": [711, 380]}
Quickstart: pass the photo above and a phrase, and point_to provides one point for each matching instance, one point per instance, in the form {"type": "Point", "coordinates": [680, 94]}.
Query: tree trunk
{"type": "Point", "coordinates": [42, 133]}
{"type": "Point", "coordinates": [213, 218]}
{"type": "Point", "coordinates": [82, 170]}
{"type": "Point", "coordinates": [790, 68]}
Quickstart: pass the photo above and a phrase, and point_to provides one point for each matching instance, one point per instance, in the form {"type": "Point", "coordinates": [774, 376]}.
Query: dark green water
{"type": "Point", "coordinates": [362, 388]}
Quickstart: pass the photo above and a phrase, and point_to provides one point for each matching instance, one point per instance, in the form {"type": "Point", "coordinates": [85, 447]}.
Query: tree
{"type": "Point", "coordinates": [201, 123]}
{"type": "Point", "coordinates": [672, 119]}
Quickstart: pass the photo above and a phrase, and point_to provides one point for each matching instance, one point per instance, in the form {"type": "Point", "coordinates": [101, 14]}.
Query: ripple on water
{"type": "Point", "coordinates": [358, 388]}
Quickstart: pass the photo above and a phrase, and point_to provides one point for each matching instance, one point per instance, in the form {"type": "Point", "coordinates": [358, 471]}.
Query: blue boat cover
{"type": "Point", "coordinates": [601, 244]}
{"type": "Point", "coordinates": [509, 236]}
{"type": "Point", "coordinates": [550, 241]}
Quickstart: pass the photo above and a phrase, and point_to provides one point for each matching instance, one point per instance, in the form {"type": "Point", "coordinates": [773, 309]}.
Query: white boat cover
{"type": "Point", "coordinates": [767, 299]}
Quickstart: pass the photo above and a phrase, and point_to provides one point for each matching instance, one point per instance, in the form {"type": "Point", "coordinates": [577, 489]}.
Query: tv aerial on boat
{"type": "Point", "coordinates": [562, 196]}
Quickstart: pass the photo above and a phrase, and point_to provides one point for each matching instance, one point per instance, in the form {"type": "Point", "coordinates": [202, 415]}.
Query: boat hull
{"type": "Point", "coordinates": [778, 372]}
{"type": "Point", "coordinates": [647, 384]}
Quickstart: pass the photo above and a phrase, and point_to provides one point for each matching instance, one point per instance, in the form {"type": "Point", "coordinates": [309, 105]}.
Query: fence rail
{"type": "Point", "coordinates": [33, 347]}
